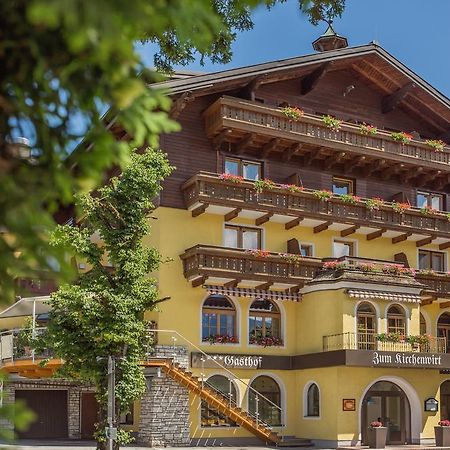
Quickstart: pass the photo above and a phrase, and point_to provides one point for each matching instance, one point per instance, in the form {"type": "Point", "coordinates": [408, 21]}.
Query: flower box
{"type": "Point", "coordinates": [376, 437]}
{"type": "Point", "coordinates": [442, 435]}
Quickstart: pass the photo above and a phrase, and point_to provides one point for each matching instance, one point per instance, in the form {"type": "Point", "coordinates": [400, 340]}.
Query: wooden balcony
{"type": "Point", "coordinates": [368, 341]}
{"type": "Point", "coordinates": [206, 192]}
{"type": "Point", "coordinates": [253, 127]}
{"type": "Point", "coordinates": [206, 264]}
{"type": "Point", "coordinates": [35, 287]}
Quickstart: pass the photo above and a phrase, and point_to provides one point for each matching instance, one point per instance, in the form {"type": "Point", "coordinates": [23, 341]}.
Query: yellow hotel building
{"type": "Point", "coordinates": [309, 284]}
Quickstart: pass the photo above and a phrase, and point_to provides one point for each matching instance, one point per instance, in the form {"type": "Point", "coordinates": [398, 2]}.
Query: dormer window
{"type": "Point", "coordinates": [250, 170]}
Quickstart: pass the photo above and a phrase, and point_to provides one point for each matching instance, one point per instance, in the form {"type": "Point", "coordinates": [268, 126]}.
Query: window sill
{"type": "Point", "coordinates": [312, 418]}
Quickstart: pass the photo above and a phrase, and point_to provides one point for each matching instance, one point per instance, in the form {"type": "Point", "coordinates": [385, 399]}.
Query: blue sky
{"type": "Point", "coordinates": [414, 31]}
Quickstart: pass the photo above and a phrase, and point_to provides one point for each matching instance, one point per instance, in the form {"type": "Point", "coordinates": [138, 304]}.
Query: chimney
{"type": "Point", "coordinates": [330, 40]}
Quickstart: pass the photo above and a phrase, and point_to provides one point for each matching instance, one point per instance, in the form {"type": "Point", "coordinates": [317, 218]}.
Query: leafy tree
{"type": "Point", "coordinates": [102, 314]}
{"type": "Point", "coordinates": [61, 64]}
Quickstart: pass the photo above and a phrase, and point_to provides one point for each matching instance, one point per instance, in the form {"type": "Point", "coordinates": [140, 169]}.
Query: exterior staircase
{"type": "Point", "coordinates": [216, 400]}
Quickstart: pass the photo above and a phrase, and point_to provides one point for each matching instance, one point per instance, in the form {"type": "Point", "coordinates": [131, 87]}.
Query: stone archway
{"type": "Point", "coordinates": [412, 415]}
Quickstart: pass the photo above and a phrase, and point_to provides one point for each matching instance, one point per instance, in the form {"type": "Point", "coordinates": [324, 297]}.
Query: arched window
{"type": "Point", "coordinates": [265, 400]}
{"type": "Point", "coordinates": [218, 320]}
{"type": "Point", "coordinates": [212, 417]}
{"type": "Point", "coordinates": [313, 401]}
{"type": "Point", "coordinates": [443, 328]}
{"type": "Point", "coordinates": [264, 323]}
{"type": "Point", "coordinates": [423, 325]}
{"type": "Point", "coordinates": [396, 320]}
{"type": "Point", "coordinates": [366, 324]}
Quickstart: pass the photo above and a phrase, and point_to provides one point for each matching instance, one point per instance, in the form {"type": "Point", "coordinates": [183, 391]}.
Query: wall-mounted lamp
{"type": "Point", "coordinates": [348, 89]}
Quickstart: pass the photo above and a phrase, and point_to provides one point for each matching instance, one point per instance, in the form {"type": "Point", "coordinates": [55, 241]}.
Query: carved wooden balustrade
{"type": "Point", "coordinates": [208, 189]}
{"type": "Point", "coordinates": [241, 117]}
{"type": "Point", "coordinates": [208, 260]}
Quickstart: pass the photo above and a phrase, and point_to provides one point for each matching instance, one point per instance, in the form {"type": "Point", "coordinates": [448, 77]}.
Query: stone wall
{"type": "Point", "coordinates": [164, 419]}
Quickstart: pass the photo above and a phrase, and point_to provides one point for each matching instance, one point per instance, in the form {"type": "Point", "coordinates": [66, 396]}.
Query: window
{"type": "Point", "coordinates": [396, 320]}
{"type": "Point", "coordinates": [265, 400]}
{"type": "Point", "coordinates": [423, 325]}
{"type": "Point", "coordinates": [431, 260]}
{"type": "Point", "coordinates": [313, 401]}
{"type": "Point", "coordinates": [306, 249]}
{"type": "Point", "coordinates": [343, 186]}
{"type": "Point", "coordinates": [218, 319]}
{"type": "Point", "coordinates": [212, 417]}
{"type": "Point", "coordinates": [366, 323]}
{"type": "Point", "coordinates": [343, 248]}
{"type": "Point", "coordinates": [242, 237]}
{"type": "Point", "coordinates": [128, 417]}
{"type": "Point", "coordinates": [250, 170]}
{"type": "Point", "coordinates": [443, 328]}
{"type": "Point", "coordinates": [264, 321]}
{"type": "Point", "coordinates": [430, 199]}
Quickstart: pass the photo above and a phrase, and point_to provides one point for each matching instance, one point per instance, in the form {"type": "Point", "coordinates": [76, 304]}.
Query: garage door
{"type": "Point", "coordinates": [50, 408]}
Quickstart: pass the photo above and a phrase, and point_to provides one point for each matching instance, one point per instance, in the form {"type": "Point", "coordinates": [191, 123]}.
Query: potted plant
{"type": "Point", "coordinates": [292, 112]}
{"type": "Point", "coordinates": [442, 433]}
{"type": "Point", "coordinates": [323, 195]}
{"type": "Point", "coordinates": [373, 204]}
{"type": "Point", "coordinates": [263, 185]}
{"type": "Point", "coordinates": [376, 435]}
{"type": "Point", "coordinates": [230, 177]}
{"type": "Point", "coordinates": [437, 145]}
{"type": "Point", "coordinates": [368, 130]}
{"type": "Point", "coordinates": [402, 137]}
{"type": "Point", "coordinates": [332, 123]}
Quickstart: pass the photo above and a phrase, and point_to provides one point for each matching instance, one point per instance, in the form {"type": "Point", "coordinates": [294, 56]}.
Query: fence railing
{"type": "Point", "coordinates": [233, 113]}
{"type": "Point", "coordinates": [369, 341]}
{"type": "Point", "coordinates": [23, 343]}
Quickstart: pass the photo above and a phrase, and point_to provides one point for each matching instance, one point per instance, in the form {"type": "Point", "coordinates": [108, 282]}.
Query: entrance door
{"type": "Point", "coordinates": [50, 408]}
{"type": "Point", "coordinates": [385, 402]}
{"type": "Point", "coordinates": [445, 400]}
{"type": "Point", "coordinates": [89, 415]}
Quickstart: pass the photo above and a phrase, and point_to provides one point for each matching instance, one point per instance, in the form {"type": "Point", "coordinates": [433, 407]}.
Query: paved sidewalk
{"type": "Point", "coordinates": [83, 445]}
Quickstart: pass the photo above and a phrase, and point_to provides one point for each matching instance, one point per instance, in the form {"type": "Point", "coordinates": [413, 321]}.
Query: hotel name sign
{"type": "Point", "coordinates": [229, 361]}
{"type": "Point", "coordinates": [407, 359]}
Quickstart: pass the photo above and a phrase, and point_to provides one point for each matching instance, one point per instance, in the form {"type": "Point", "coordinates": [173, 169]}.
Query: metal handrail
{"type": "Point", "coordinates": [257, 393]}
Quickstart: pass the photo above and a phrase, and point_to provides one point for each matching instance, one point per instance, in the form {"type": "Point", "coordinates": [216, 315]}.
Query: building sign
{"type": "Point", "coordinates": [233, 361]}
{"type": "Point", "coordinates": [406, 359]}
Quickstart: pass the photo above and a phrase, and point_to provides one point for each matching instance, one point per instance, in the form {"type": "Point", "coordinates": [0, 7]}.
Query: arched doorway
{"type": "Point", "coordinates": [387, 403]}
{"type": "Point", "coordinates": [268, 404]}
{"type": "Point", "coordinates": [445, 400]}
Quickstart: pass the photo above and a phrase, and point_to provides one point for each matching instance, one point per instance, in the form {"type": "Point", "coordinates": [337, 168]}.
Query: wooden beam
{"type": "Point", "coordinates": [293, 223]}
{"type": "Point", "coordinates": [198, 281]}
{"type": "Point", "coordinates": [442, 182]}
{"type": "Point", "coordinates": [425, 178]}
{"type": "Point", "coordinates": [390, 102]}
{"type": "Point", "coordinates": [220, 139]}
{"type": "Point", "coordinates": [393, 170]}
{"type": "Point", "coordinates": [309, 82]}
{"type": "Point", "coordinates": [264, 286]}
{"type": "Point", "coordinates": [334, 159]}
{"type": "Point", "coordinates": [180, 103]}
{"type": "Point", "coordinates": [263, 219]}
{"type": "Point", "coordinates": [355, 163]}
{"type": "Point", "coordinates": [312, 155]}
{"type": "Point", "coordinates": [248, 91]}
{"type": "Point", "coordinates": [322, 227]}
{"type": "Point", "coordinates": [269, 147]}
{"type": "Point", "coordinates": [290, 152]}
{"type": "Point", "coordinates": [401, 238]}
{"type": "Point", "coordinates": [425, 241]}
{"type": "Point", "coordinates": [378, 165]}
{"type": "Point", "coordinates": [349, 231]}
{"type": "Point", "coordinates": [412, 174]}
{"type": "Point", "coordinates": [427, 301]}
{"type": "Point", "coordinates": [244, 143]}
{"type": "Point", "coordinates": [232, 214]}
{"type": "Point", "coordinates": [199, 210]}
{"type": "Point", "coordinates": [444, 305]}
{"type": "Point", "coordinates": [444, 245]}
{"type": "Point", "coordinates": [232, 283]}
{"type": "Point", "coordinates": [375, 234]}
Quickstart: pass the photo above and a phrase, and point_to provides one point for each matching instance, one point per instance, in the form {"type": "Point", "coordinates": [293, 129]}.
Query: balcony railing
{"type": "Point", "coordinates": [368, 341]}
{"type": "Point", "coordinates": [23, 344]}
{"type": "Point", "coordinates": [248, 117]}
{"type": "Point", "coordinates": [35, 286]}
{"type": "Point", "coordinates": [207, 260]}
{"type": "Point", "coordinates": [208, 188]}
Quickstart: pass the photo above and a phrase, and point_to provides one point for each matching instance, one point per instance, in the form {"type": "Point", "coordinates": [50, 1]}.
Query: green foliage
{"type": "Point", "coordinates": [63, 63]}
{"type": "Point", "coordinates": [103, 312]}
